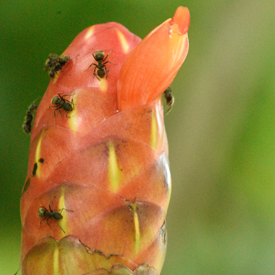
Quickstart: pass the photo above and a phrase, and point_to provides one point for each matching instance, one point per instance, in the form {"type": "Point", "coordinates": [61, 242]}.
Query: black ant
{"type": "Point", "coordinates": [27, 125]}
{"type": "Point", "coordinates": [55, 63]}
{"type": "Point", "coordinates": [101, 66]}
{"type": "Point", "coordinates": [46, 214]}
{"type": "Point", "coordinates": [61, 103]}
{"type": "Point", "coordinates": [169, 99]}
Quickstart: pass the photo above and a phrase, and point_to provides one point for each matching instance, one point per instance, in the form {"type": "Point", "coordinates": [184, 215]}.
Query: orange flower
{"type": "Point", "coordinates": [151, 67]}
{"type": "Point", "coordinates": [98, 178]}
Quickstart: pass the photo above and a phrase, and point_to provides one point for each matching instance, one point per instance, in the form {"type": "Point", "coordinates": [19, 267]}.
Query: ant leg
{"type": "Point", "coordinates": [168, 111]}
{"type": "Point", "coordinates": [58, 108]}
{"type": "Point", "coordinates": [64, 71]}
{"type": "Point", "coordinates": [107, 55]}
{"type": "Point", "coordinates": [61, 228]}
{"type": "Point", "coordinates": [107, 73]}
{"type": "Point", "coordinates": [67, 115]}
{"type": "Point", "coordinates": [91, 65]}
{"type": "Point", "coordinates": [52, 210]}
{"type": "Point", "coordinates": [17, 271]}
{"type": "Point", "coordinates": [66, 100]}
{"type": "Point", "coordinates": [107, 62]}
{"type": "Point", "coordinates": [43, 220]}
{"type": "Point", "coordinates": [44, 207]}
{"type": "Point", "coordinates": [60, 210]}
{"type": "Point", "coordinates": [48, 223]}
{"type": "Point", "coordinates": [62, 97]}
{"type": "Point", "coordinates": [50, 204]}
{"type": "Point", "coordinates": [52, 106]}
{"type": "Point", "coordinates": [95, 74]}
{"type": "Point", "coordinates": [46, 218]}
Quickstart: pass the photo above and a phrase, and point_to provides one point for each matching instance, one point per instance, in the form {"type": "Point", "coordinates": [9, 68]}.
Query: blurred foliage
{"type": "Point", "coordinates": [221, 130]}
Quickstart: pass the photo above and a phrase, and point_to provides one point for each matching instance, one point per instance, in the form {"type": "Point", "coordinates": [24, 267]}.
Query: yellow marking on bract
{"type": "Point", "coordinates": [72, 120]}
{"type": "Point", "coordinates": [56, 261]}
{"type": "Point", "coordinates": [89, 32]}
{"type": "Point", "coordinates": [63, 223]}
{"type": "Point", "coordinates": [37, 156]}
{"type": "Point", "coordinates": [54, 79]}
{"type": "Point", "coordinates": [133, 207]}
{"type": "Point", "coordinates": [123, 41]}
{"type": "Point", "coordinates": [103, 84]}
{"type": "Point", "coordinates": [114, 172]}
{"type": "Point", "coordinates": [154, 131]}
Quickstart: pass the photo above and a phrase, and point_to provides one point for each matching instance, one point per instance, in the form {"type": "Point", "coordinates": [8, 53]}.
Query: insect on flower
{"type": "Point", "coordinates": [169, 99]}
{"type": "Point", "coordinates": [55, 63]}
{"type": "Point", "coordinates": [27, 125]}
{"type": "Point", "coordinates": [61, 103]}
{"type": "Point", "coordinates": [46, 214]}
{"type": "Point", "coordinates": [101, 64]}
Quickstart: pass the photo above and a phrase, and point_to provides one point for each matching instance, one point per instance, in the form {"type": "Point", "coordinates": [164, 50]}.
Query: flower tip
{"type": "Point", "coordinates": [181, 20]}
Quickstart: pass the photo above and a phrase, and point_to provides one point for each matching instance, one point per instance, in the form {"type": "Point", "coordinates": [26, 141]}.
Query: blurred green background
{"type": "Point", "coordinates": [221, 131]}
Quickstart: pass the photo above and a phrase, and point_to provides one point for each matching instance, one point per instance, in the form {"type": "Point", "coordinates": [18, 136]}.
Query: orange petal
{"type": "Point", "coordinates": [151, 67]}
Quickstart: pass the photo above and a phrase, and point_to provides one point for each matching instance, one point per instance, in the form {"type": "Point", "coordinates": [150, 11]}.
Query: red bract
{"type": "Point", "coordinates": [105, 161]}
